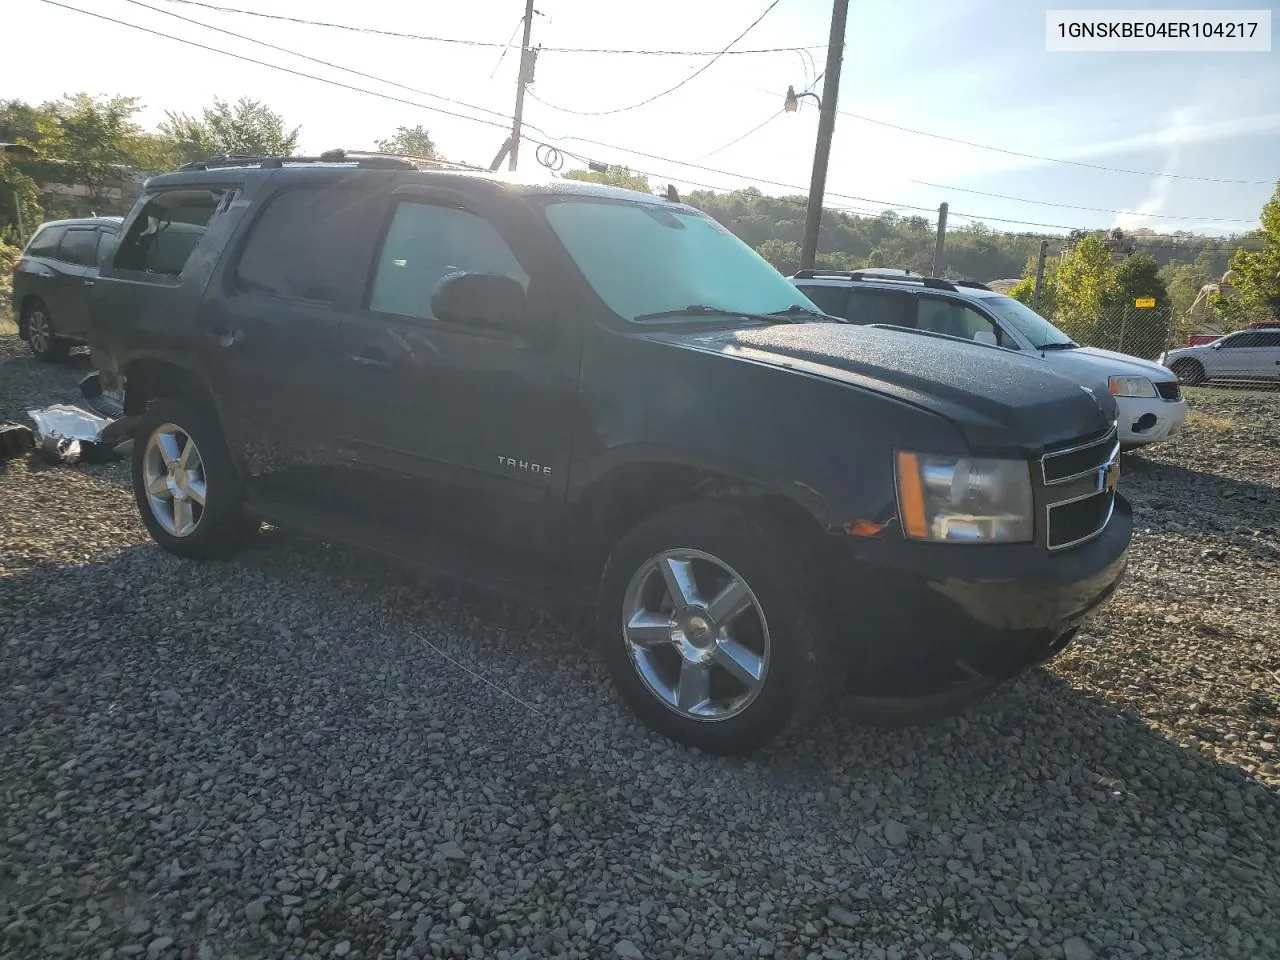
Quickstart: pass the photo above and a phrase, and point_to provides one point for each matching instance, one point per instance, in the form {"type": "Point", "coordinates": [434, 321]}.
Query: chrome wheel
{"type": "Point", "coordinates": [696, 634]}
{"type": "Point", "coordinates": [173, 474]}
{"type": "Point", "coordinates": [39, 330]}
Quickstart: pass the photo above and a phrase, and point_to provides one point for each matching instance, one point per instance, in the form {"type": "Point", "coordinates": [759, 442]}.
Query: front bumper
{"type": "Point", "coordinates": [1143, 420]}
{"type": "Point", "coordinates": [930, 627]}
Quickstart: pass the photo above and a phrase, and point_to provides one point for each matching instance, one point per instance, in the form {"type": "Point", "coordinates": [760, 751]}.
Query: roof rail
{"type": "Point", "coordinates": [976, 285]}
{"type": "Point", "coordinates": [934, 283]}
{"type": "Point", "coordinates": [363, 160]}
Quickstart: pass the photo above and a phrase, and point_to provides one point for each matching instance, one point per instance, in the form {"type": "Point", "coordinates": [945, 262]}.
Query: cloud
{"type": "Point", "coordinates": [1174, 135]}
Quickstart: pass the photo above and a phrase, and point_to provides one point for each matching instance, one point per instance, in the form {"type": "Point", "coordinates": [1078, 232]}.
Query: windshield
{"type": "Point", "coordinates": [1027, 322]}
{"type": "Point", "coordinates": [646, 259]}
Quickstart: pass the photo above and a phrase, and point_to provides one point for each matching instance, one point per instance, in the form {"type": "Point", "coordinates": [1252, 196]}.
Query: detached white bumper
{"type": "Point", "coordinates": [1145, 420]}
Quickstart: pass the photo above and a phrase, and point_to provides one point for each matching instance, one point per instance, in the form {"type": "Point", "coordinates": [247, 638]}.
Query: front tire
{"type": "Point", "coordinates": [187, 489]}
{"type": "Point", "coordinates": [37, 324]}
{"type": "Point", "coordinates": [711, 626]}
{"type": "Point", "coordinates": [1190, 372]}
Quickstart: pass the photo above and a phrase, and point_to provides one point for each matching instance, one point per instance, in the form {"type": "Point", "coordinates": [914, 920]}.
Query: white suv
{"type": "Point", "coordinates": [1247, 355]}
{"type": "Point", "coordinates": [1148, 395]}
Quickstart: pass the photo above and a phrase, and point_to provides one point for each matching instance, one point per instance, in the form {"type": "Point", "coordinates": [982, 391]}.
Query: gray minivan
{"type": "Point", "coordinates": [52, 280]}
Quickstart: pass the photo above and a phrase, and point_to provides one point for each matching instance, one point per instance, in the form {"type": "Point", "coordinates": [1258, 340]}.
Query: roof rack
{"type": "Point", "coordinates": [363, 160]}
{"type": "Point", "coordinates": [934, 283]}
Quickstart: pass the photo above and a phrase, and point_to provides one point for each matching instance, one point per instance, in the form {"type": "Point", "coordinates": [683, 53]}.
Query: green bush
{"type": "Point", "coordinates": [8, 255]}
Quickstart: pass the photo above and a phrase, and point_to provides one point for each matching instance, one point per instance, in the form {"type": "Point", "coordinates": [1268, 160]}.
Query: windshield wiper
{"type": "Point", "coordinates": [702, 310]}
{"type": "Point", "coordinates": [796, 309]}
{"type": "Point", "coordinates": [1069, 345]}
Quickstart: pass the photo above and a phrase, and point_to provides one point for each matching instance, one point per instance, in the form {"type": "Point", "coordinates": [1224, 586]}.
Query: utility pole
{"type": "Point", "coordinates": [1035, 294]}
{"type": "Point", "coordinates": [17, 215]}
{"type": "Point", "coordinates": [522, 76]}
{"type": "Point", "coordinates": [941, 239]}
{"type": "Point", "coordinates": [826, 128]}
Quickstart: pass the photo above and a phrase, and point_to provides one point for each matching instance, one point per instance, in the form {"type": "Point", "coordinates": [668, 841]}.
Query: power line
{"type": "Point", "coordinates": [658, 96]}
{"type": "Point", "coordinates": [290, 70]}
{"type": "Point", "coordinates": [303, 56]}
{"type": "Point", "coordinates": [1033, 156]}
{"type": "Point", "coordinates": [762, 124]}
{"type": "Point", "coordinates": [481, 43]}
{"type": "Point", "coordinates": [738, 139]}
{"type": "Point", "coordinates": [1073, 206]}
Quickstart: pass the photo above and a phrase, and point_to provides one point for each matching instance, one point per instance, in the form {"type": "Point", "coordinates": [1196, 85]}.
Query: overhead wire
{"type": "Point", "coordinates": [809, 85]}
{"type": "Point", "coordinates": [291, 70]}
{"type": "Point", "coordinates": [1074, 206]}
{"type": "Point", "coordinates": [480, 43]}
{"type": "Point", "coordinates": [491, 123]}
{"type": "Point", "coordinates": [658, 96]}
{"type": "Point", "coordinates": [1035, 156]}
{"type": "Point", "coordinates": [303, 56]}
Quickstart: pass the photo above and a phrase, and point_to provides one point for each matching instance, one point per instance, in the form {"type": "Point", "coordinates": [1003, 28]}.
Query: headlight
{"type": "Point", "coordinates": [964, 499]}
{"type": "Point", "coordinates": [1131, 387]}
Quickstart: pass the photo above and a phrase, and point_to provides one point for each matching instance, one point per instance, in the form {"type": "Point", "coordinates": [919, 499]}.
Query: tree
{"type": "Point", "coordinates": [1256, 274]}
{"type": "Point", "coordinates": [1124, 326]}
{"type": "Point", "coordinates": [409, 142]}
{"type": "Point", "coordinates": [784, 255]}
{"type": "Point", "coordinates": [1083, 279]}
{"type": "Point", "coordinates": [1138, 276]}
{"type": "Point", "coordinates": [247, 128]}
{"type": "Point", "coordinates": [98, 140]}
{"type": "Point", "coordinates": [1183, 281]}
{"type": "Point", "coordinates": [613, 177]}
{"type": "Point", "coordinates": [1024, 290]}
{"type": "Point", "coordinates": [18, 194]}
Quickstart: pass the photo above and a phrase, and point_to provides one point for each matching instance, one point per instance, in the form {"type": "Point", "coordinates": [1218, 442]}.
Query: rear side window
{"type": "Point", "coordinates": [167, 231]}
{"type": "Point", "coordinates": [45, 242]}
{"type": "Point", "coordinates": [1270, 339]}
{"type": "Point", "coordinates": [1242, 340]}
{"type": "Point", "coordinates": [830, 300]}
{"type": "Point", "coordinates": [424, 243]}
{"type": "Point", "coordinates": [298, 246]}
{"type": "Point", "coordinates": [875, 306]}
{"type": "Point", "coordinates": [80, 246]}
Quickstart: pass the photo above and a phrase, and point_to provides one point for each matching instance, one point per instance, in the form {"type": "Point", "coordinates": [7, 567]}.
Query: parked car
{"type": "Point", "coordinates": [586, 394]}
{"type": "Point", "coordinates": [52, 280]}
{"type": "Point", "coordinates": [1150, 401]}
{"type": "Point", "coordinates": [1252, 354]}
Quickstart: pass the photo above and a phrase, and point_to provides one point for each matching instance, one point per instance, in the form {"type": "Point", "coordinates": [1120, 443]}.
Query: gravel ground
{"type": "Point", "coordinates": [286, 756]}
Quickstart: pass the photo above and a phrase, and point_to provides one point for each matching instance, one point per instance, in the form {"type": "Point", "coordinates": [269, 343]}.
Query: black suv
{"type": "Point", "coordinates": [52, 281]}
{"type": "Point", "coordinates": [574, 392]}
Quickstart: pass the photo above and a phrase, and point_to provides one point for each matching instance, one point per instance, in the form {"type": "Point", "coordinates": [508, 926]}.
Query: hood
{"type": "Point", "coordinates": [1001, 401]}
{"type": "Point", "coordinates": [1092, 365]}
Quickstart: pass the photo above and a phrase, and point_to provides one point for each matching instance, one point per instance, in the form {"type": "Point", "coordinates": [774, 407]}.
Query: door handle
{"type": "Point", "coordinates": [88, 283]}
{"type": "Point", "coordinates": [370, 357]}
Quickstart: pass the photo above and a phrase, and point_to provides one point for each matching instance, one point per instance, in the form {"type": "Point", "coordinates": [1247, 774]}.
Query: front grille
{"type": "Point", "coordinates": [1079, 520]}
{"type": "Point", "coordinates": [1169, 389]}
{"type": "Point", "coordinates": [1074, 461]}
{"type": "Point", "coordinates": [1080, 490]}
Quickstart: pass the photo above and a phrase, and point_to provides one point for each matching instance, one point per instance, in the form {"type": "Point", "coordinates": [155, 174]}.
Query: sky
{"type": "Point", "coordinates": [973, 70]}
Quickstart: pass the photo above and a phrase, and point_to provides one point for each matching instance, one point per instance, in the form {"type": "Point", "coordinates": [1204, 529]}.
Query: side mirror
{"type": "Point", "coordinates": [985, 336]}
{"type": "Point", "coordinates": [481, 299]}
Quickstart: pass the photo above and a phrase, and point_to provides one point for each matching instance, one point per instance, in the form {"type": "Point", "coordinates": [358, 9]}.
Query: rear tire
{"type": "Point", "coordinates": [1190, 372]}
{"type": "Point", "coordinates": [37, 325]}
{"type": "Point", "coordinates": [751, 674]}
{"type": "Point", "coordinates": [188, 491]}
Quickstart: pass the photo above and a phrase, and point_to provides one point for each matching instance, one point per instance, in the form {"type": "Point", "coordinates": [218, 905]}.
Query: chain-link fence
{"type": "Point", "coordinates": [1247, 358]}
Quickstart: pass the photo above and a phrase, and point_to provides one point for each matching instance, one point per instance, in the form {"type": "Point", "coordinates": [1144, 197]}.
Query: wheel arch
{"type": "Point", "coordinates": [637, 487]}
{"type": "Point", "coordinates": [147, 378]}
